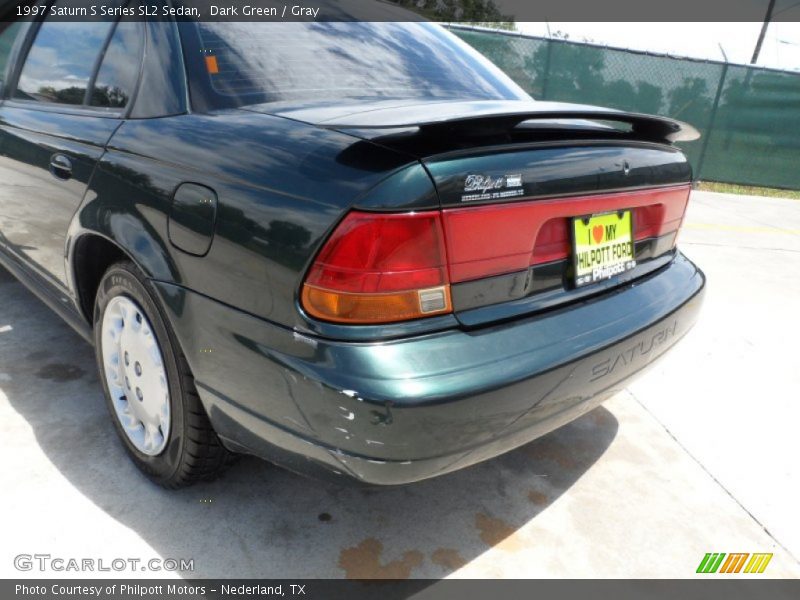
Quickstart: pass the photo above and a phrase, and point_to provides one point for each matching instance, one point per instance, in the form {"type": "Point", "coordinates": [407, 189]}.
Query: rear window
{"type": "Point", "coordinates": [235, 64]}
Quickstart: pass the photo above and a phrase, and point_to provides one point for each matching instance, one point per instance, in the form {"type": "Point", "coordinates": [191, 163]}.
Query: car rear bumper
{"type": "Point", "coordinates": [405, 410]}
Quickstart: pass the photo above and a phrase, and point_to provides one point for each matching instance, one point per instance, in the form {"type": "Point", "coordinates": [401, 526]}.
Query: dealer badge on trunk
{"type": "Point", "coordinates": [486, 187]}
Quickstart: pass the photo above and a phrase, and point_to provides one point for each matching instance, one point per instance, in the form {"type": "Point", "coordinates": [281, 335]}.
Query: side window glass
{"type": "Point", "coordinates": [60, 63]}
{"type": "Point", "coordinates": [120, 68]}
{"type": "Point", "coordinates": [8, 34]}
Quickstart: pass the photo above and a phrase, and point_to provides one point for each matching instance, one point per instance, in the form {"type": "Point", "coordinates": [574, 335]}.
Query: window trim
{"type": "Point", "coordinates": [66, 109]}
{"type": "Point", "coordinates": [20, 56]}
{"type": "Point", "coordinates": [145, 33]}
{"type": "Point", "coordinates": [11, 60]}
{"type": "Point", "coordinates": [98, 63]}
{"type": "Point", "coordinates": [22, 50]}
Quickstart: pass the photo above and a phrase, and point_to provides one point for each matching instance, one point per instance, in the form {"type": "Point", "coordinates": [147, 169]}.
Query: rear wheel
{"type": "Point", "coordinates": [148, 385]}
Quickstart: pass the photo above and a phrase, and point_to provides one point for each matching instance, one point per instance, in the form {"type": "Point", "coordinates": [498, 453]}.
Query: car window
{"type": "Point", "coordinates": [60, 63]}
{"type": "Point", "coordinates": [252, 62]}
{"type": "Point", "coordinates": [8, 33]}
{"type": "Point", "coordinates": [119, 71]}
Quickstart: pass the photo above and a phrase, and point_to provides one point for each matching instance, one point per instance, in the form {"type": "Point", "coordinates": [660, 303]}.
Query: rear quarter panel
{"type": "Point", "coordinates": [281, 186]}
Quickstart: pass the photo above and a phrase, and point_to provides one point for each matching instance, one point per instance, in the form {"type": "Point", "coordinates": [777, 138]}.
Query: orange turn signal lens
{"type": "Point", "coordinates": [364, 309]}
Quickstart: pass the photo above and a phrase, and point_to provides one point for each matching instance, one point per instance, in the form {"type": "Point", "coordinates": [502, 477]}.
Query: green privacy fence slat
{"type": "Point", "coordinates": [756, 135]}
{"type": "Point", "coordinates": [749, 117]}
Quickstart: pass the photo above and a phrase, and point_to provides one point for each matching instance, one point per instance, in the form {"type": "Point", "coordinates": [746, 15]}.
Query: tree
{"type": "Point", "coordinates": [478, 12]}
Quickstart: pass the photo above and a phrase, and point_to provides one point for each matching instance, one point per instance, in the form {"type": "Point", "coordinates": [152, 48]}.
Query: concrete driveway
{"type": "Point", "coordinates": [700, 455]}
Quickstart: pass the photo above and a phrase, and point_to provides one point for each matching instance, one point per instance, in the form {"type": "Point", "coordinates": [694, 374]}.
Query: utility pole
{"type": "Point", "coordinates": [760, 41]}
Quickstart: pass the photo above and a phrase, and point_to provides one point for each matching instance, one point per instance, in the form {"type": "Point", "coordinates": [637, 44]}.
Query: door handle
{"type": "Point", "coordinates": [60, 166]}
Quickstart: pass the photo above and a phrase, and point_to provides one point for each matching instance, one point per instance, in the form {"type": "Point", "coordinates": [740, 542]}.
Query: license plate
{"type": "Point", "coordinates": [602, 246]}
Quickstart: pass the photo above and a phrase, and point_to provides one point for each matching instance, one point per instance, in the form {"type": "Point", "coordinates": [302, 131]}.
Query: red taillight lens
{"type": "Point", "coordinates": [378, 268]}
{"type": "Point", "coordinates": [484, 241]}
{"type": "Point", "coordinates": [381, 268]}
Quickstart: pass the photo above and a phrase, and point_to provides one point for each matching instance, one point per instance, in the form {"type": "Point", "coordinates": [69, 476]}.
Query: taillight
{"type": "Point", "coordinates": [379, 268]}
{"type": "Point", "coordinates": [483, 241]}
{"type": "Point", "coordinates": [382, 268]}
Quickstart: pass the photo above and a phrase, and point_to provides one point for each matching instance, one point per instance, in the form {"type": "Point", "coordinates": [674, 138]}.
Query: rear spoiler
{"type": "Point", "coordinates": [504, 115]}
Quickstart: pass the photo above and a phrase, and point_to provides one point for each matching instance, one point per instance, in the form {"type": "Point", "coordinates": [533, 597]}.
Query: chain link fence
{"type": "Point", "coordinates": [749, 116]}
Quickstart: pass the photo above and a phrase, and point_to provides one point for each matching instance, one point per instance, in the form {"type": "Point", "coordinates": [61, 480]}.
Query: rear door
{"type": "Point", "coordinates": [62, 103]}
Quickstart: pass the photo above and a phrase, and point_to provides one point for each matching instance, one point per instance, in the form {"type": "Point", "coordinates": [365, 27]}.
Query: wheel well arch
{"type": "Point", "coordinates": [93, 254]}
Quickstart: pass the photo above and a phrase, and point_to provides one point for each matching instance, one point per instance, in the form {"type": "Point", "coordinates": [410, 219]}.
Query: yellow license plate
{"type": "Point", "coordinates": [602, 246]}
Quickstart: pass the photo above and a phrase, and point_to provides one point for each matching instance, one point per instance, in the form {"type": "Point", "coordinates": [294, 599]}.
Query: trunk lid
{"type": "Point", "coordinates": [511, 177]}
{"type": "Point", "coordinates": [550, 149]}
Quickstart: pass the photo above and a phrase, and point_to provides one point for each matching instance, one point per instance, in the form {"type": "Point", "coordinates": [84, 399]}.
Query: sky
{"type": "Point", "coordinates": [780, 50]}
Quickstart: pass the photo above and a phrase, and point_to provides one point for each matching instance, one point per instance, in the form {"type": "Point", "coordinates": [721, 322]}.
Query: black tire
{"type": "Point", "coordinates": [193, 451]}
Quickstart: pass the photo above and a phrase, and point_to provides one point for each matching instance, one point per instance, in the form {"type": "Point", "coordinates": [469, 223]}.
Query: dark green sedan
{"type": "Point", "coordinates": [357, 250]}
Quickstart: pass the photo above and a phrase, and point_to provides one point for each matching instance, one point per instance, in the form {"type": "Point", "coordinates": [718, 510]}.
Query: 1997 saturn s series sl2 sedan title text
{"type": "Point", "coordinates": [353, 249]}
